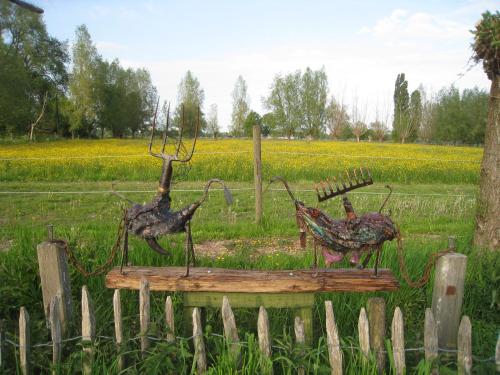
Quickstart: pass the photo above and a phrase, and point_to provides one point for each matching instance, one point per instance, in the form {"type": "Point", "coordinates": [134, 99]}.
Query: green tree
{"type": "Point", "coordinates": [284, 102]}
{"type": "Point", "coordinates": [191, 96]}
{"type": "Point", "coordinates": [268, 124]}
{"type": "Point", "coordinates": [337, 118]}
{"type": "Point", "coordinates": [253, 118]}
{"type": "Point", "coordinates": [401, 120]}
{"type": "Point", "coordinates": [86, 62]}
{"type": "Point", "coordinates": [241, 106]}
{"type": "Point", "coordinates": [415, 118]}
{"type": "Point", "coordinates": [487, 49]}
{"type": "Point", "coordinates": [314, 93]}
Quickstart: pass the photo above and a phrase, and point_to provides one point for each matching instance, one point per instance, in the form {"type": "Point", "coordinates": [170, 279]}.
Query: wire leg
{"type": "Point", "coordinates": [124, 251]}
{"type": "Point", "coordinates": [377, 259]}
{"type": "Point", "coordinates": [191, 246]}
{"type": "Point", "coordinates": [366, 260]}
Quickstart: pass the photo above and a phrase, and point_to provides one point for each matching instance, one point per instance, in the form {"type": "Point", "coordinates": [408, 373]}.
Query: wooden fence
{"type": "Point", "coordinates": [371, 334]}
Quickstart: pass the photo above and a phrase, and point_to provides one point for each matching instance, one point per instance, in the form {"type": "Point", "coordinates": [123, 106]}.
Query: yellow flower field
{"type": "Point", "coordinates": [127, 160]}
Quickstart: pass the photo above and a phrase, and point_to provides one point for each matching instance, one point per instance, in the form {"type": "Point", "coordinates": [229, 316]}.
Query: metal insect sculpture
{"type": "Point", "coordinates": [354, 235]}
{"type": "Point", "coordinates": [155, 219]}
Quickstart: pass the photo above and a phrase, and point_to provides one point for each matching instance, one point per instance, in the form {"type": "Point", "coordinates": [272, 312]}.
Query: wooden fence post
{"type": "Point", "coordinates": [169, 319]}
{"type": "Point", "coordinates": [55, 278]}
{"type": "Point", "coordinates": [257, 172]}
{"type": "Point", "coordinates": [200, 356]}
{"type": "Point", "coordinates": [24, 341]}
{"type": "Point", "coordinates": [364, 334]}
{"type": "Point", "coordinates": [55, 331]}
{"type": "Point", "coordinates": [144, 315]}
{"type": "Point", "coordinates": [398, 342]}
{"type": "Point", "coordinates": [376, 319]}
{"type": "Point", "coordinates": [263, 332]}
{"type": "Point", "coordinates": [332, 337]}
{"type": "Point", "coordinates": [430, 338]}
{"type": "Point", "coordinates": [230, 331]}
{"type": "Point", "coordinates": [88, 330]}
{"type": "Point", "coordinates": [117, 315]}
{"type": "Point", "coordinates": [464, 355]}
{"type": "Point", "coordinates": [300, 339]}
{"type": "Point", "coordinates": [447, 297]}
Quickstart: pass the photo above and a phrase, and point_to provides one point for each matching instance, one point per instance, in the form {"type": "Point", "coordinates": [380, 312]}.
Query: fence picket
{"type": "Point", "coordinates": [88, 330]}
{"type": "Point", "coordinates": [144, 315]}
{"type": "Point", "coordinates": [230, 331]}
{"type": "Point", "coordinates": [376, 318]}
{"type": "Point", "coordinates": [398, 342]}
{"type": "Point", "coordinates": [24, 341]}
{"type": "Point", "coordinates": [55, 331]}
{"type": "Point", "coordinates": [117, 315]}
{"type": "Point", "coordinates": [264, 340]}
{"type": "Point", "coordinates": [300, 338]}
{"type": "Point", "coordinates": [200, 356]}
{"type": "Point", "coordinates": [430, 338]}
{"type": "Point", "coordinates": [332, 337]}
{"type": "Point", "coordinates": [364, 333]}
{"type": "Point", "coordinates": [169, 319]}
{"type": "Point", "coordinates": [464, 357]}
{"type": "Point", "coordinates": [497, 354]}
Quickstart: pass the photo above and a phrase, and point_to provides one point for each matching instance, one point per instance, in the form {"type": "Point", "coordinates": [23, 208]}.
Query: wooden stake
{"type": "Point", "coordinates": [144, 315]}
{"type": "Point", "coordinates": [364, 334]}
{"type": "Point", "coordinates": [55, 279]}
{"type": "Point", "coordinates": [55, 331]}
{"type": "Point", "coordinates": [398, 342]}
{"type": "Point", "coordinates": [300, 339]}
{"type": "Point", "coordinates": [169, 318]}
{"type": "Point", "coordinates": [117, 314]}
{"type": "Point", "coordinates": [447, 297]}
{"type": "Point", "coordinates": [332, 337]}
{"type": "Point", "coordinates": [464, 357]}
{"type": "Point", "coordinates": [230, 331]}
{"type": "Point", "coordinates": [88, 330]}
{"type": "Point", "coordinates": [263, 332]}
{"type": "Point", "coordinates": [257, 172]}
{"type": "Point", "coordinates": [430, 338]}
{"type": "Point", "coordinates": [24, 341]}
{"type": "Point", "coordinates": [200, 355]}
{"type": "Point", "coordinates": [376, 318]}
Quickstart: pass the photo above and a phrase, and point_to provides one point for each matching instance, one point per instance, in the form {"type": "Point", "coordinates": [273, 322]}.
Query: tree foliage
{"type": "Point", "coordinates": [241, 106]}
{"type": "Point", "coordinates": [190, 97]}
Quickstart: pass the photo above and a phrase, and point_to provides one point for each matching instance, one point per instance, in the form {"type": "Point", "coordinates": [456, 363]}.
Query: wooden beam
{"type": "Point", "coordinates": [203, 279]}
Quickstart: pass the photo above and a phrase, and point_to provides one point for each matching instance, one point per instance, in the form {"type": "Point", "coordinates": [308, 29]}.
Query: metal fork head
{"type": "Point", "coordinates": [364, 178]}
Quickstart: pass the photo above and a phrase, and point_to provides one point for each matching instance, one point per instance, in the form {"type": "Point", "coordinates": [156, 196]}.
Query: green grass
{"type": "Point", "coordinates": [89, 221]}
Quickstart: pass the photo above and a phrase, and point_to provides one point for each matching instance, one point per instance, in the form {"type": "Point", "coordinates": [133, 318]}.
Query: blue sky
{"type": "Point", "coordinates": [363, 45]}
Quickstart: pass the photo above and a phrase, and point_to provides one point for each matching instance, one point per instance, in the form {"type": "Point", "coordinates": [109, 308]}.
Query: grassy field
{"type": "Point", "coordinates": [433, 199]}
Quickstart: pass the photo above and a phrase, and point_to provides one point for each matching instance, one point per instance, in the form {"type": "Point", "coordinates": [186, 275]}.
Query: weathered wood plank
{"type": "Point", "coordinates": [88, 330]}
{"type": "Point", "coordinates": [332, 337]}
{"type": "Point", "coordinates": [55, 331]}
{"type": "Point", "coordinates": [376, 319]}
{"type": "Point", "coordinates": [464, 356]}
{"type": "Point", "coordinates": [55, 279]}
{"type": "Point", "coordinates": [230, 330]}
{"type": "Point", "coordinates": [200, 356]}
{"type": "Point", "coordinates": [300, 338]}
{"type": "Point", "coordinates": [144, 315]}
{"type": "Point", "coordinates": [447, 297]}
{"type": "Point", "coordinates": [169, 319]}
{"type": "Point", "coordinates": [305, 313]}
{"type": "Point", "coordinates": [430, 338]}
{"type": "Point", "coordinates": [398, 342]}
{"type": "Point", "coordinates": [222, 280]}
{"type": "Point", "coordinates": [117, 315]}
{"type": "Point", "coordinates": [364, 333]}
{"type": "Point", "coordinates": [263, 332]}
{"type": "Point", "coordinates": [24, 341]}
{"type": "Point", "coordinates": [257, 172]}
{"type": "Point", "coordinates": [249, 300]}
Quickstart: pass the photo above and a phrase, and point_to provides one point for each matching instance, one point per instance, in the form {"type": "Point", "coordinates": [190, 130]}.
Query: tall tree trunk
{"type": "Point", "coordinates": [487, 232]}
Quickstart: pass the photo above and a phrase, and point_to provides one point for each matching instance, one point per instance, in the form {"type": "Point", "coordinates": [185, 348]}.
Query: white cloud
{"type": "Point", "coordinates": [109, 47]}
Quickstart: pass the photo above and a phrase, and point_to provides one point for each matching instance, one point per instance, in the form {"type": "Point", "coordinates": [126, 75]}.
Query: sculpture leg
{"type": "Point", "coordinates": [315, 261]}
{"type": "Point", "coordinates": [191, 246]}
{"type": "Point", "coordinates": [377, 258]}
{"type": "Point", "coordinates": [363, 265]}
{"type": "Point", "coordinates": [187, 251]}
{"type": "Point", "coordinates": [124, 251]}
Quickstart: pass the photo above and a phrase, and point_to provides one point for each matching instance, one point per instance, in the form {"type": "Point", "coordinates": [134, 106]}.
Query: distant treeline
{"type": "Point", "coordinates": [48, 88]}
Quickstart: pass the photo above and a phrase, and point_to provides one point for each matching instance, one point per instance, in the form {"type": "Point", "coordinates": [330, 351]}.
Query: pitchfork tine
{"type": "Point", "coordinates": [188, 158]}
{"type": "Point", "coordinates": [179, 140]}
{"type": "Point", "coordinates": [153, 133]}
{"type": "Point", "coordinates": [166, 130]}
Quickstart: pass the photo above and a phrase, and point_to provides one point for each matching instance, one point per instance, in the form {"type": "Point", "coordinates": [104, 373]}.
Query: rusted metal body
{"type": "Point", "coordinates": [155, 219]}
{"type": "Point", "coordinates": [353, 235]}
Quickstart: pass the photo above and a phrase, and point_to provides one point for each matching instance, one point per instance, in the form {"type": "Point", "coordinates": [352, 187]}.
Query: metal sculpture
{"type": "Point", "coordinates": [354, 235]}
{"type": "Point", "coordinates": [155, 219]}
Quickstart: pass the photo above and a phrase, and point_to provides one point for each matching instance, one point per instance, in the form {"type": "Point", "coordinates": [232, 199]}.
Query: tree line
{"type": "Point", "coordinates": [48, 87]}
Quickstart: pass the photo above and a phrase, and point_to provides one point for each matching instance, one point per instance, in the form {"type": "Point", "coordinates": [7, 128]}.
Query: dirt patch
{"type": "Point", "coordinates": [256, 248]}
{"type": "Point", "coordinates": [6, 245]}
